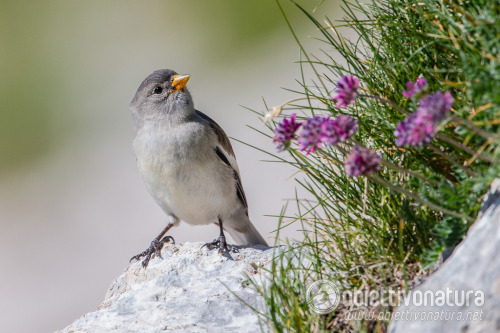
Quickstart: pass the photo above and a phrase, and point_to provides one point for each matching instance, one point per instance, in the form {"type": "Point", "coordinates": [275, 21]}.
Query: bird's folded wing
{"type": "Point", "coordinates": [225, 152]}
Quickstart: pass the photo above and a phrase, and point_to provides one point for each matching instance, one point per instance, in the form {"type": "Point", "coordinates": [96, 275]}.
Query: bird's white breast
{"type": "Point", "coordinates": [183, 173]}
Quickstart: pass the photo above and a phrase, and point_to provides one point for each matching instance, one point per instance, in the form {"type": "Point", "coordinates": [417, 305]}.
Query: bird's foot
{"type": "Point", "coordinates": [221, 244]}
{"type": "Point", "coordinates": [153, 250]}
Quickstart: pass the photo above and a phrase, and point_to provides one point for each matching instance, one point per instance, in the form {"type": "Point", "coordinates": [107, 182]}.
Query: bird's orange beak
{"type": "Point", "coordinates": [180, 81]}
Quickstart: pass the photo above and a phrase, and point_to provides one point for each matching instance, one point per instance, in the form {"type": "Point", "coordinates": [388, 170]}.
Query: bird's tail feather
{"type": "Point", "coordinates": [244, 233]}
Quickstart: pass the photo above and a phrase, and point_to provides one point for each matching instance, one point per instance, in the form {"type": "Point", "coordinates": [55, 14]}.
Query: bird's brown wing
{"type": "Point", "coordinates": [221, 135]}
{"type": "Point", "coordinates": [225, 152]}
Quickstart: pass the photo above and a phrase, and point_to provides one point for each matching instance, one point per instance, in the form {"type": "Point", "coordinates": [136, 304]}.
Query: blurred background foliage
{"type": "Point", "coordinates": [53, 53]}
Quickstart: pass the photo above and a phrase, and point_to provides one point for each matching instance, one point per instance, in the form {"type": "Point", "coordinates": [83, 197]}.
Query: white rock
{"type": "Point", "coordinates": [474, 267]}
{"type": "Point", "coordinates": [189, 290]}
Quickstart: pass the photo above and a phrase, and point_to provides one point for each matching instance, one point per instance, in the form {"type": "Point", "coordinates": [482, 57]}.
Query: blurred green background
{"type": "Point", "coordinates": [56, 53]}
{"type": "Point", "coordinates": [72, 207]}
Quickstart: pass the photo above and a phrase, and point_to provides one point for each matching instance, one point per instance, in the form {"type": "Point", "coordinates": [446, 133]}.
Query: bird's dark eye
{"type": "Point", "coordinates": [157, 90]}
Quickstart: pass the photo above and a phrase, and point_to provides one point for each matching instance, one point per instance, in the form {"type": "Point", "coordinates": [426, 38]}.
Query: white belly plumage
{"type": "Point", "coordinates": [194, 191]}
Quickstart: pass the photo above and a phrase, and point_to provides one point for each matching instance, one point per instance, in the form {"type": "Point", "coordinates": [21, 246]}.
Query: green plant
{"type": "Point", "coordinates": [383, 226]}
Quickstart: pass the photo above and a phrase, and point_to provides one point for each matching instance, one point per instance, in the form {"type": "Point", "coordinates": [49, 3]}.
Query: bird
{"type": "Point", "coordinates": [187, 163]}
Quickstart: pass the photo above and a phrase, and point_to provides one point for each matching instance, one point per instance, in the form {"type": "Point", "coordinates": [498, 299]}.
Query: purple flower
{"type": "Point", "coordinates": [346, 90]}
{"type": "Point", "coordinates": [311, 135]}
{"type": "Point", "coordinates": [285, 132]}
{"type": "Point", "coordinates": [361, 161]}
{"type": "Point", "coordinates": [414, 88]}
{"type": "Point", "coordinates": [419, 127]}
{"type": "Point", "coordinates": [416, 129]}
{"type": "Point", "coordinates": [338, 129]}
{"type": "Point", "coordinates": [436, 106]}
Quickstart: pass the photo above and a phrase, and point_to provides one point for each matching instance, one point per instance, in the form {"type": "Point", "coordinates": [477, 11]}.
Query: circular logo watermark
{"type": "Point", "coordinates": [323, 296]}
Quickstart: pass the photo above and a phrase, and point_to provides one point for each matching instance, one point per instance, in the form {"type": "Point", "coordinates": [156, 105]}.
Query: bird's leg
{"type": "Point", "coordinates": [221, 242]}
{"type": "Point", "coordinates": [155, 248]}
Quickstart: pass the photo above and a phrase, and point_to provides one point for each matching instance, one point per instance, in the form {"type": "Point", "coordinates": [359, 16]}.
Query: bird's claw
{"type": "Point", "coordinates": [153, 250]}
{"type": "Point", "coordinates": [166, 239]}
{"type": "Point", "coordinates": [221, 244]}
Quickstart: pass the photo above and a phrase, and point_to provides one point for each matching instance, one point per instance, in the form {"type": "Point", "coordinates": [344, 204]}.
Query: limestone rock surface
{"type": "Point", "coordinates": [190, 290]}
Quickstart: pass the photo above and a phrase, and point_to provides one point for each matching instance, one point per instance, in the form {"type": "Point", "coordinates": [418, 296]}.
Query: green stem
{"type": "Point", "coordinates": [411, 172]}
{"type": "Point", "coordinates": [330, 155]}
{"type": "Point", "coordinates": [391, 165]}
{"type": "Point", "coordinates": [391, 103]}
{"type": "Point", "coordinates": [474, 127]}
{"type": "Point", "coordinates": [416, 197]}
{"type": "Point", "coordinates": [463, 147]}
{"type": "Point", "coordinates": [441, 136]}
{"type": "Point", "coordinates": [406, 192]}
{"type": "Point", "coordinates": [452, 161]}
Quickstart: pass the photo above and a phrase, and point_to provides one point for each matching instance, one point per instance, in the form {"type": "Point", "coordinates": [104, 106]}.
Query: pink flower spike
{"type": "Point", "coordinates": [436, 106]}
{"type": "Point", "coordinates": [346, 92]}
{"type": "Point", "coordinates": [311, 134]}
{"type": "Point", "coordinates": [338, 129]}
{"type": "Point", "coordinates": [415, 88]}
{"type": "Point", "coordinates": [416, 129]}
{"type": "Point", "coordinates": [285, 132]}
{"type": "Point", "coordinates": [361, 161]}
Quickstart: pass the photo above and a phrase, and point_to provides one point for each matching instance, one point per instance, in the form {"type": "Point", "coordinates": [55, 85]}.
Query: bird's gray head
{"type": "Point", "coordinates": [162, 96]}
